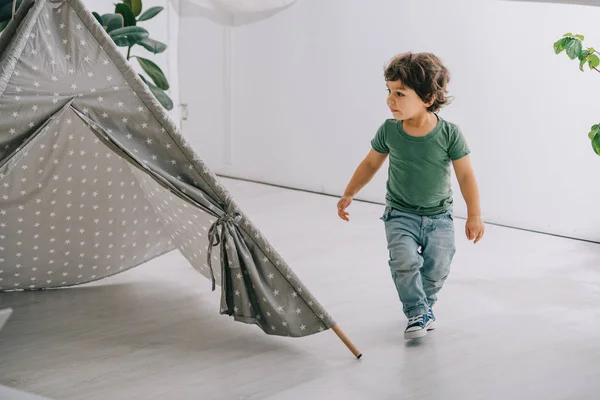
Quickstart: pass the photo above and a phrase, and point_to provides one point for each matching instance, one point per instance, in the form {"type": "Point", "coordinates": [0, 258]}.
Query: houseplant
{"type": "Point", "coordinates": [123, 26]}
{"type": "Point", "coordinates": [573, 47]}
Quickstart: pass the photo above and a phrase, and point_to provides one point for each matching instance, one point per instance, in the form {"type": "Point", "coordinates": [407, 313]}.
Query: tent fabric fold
{"type": "Point", "coordinates": [96, 179]}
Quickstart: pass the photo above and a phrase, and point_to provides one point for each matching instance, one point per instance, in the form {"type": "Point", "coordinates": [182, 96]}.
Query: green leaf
{"type": "Point", "coordinates": [580, 37]}
{"type": "Point", "coordinates": [558, 47]}
{"type": "Point", "coordinates": [574, 49]}
{"type": "Point", "coordinates": [592, 133]}
{"type": "Point", "coordinates": [568, 34]}
{"type": "Point", "coordinates": [153, 45]}
{"type": "Point", "coordinates": [6, 10]}
{"type": "Point", "coordinates": [150, 13]}
{"type": "Point", "coordinates": [583, 59]}
{"type": "Point", "coordinates": [154, 72]}
{"type": "Point", "coordinates": [594, 61]}
{"type": "Point", "coordinates": [98, 18]}
{"type": "Point", "coordinates": [561, 44]}
{"type": "Point", "coordinates": [129, 35]}
{"type": "Point", "coordinates": [596, 143]}
{"type": "Point", "coordinates": [125, 11]}
{"type": "Point", "coordinates": [135, 5]}
{"type": "Point", "coordinates": [160, 95]}
{"type": "Point", "coordinates": [3, 25]}
{"type": "Point", "coordinates": [112, 22]}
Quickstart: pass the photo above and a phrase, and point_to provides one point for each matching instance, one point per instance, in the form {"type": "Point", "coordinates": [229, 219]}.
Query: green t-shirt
{"type": "Point", "coordinates": [419, 179]}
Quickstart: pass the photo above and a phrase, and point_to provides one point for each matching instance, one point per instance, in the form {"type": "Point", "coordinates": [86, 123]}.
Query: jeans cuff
{"type": "Point", "coordinates": [415, 312]}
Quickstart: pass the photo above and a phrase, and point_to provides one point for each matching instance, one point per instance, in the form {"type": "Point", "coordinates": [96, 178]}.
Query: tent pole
{"type": "Point", "coordinates": [347, 341]}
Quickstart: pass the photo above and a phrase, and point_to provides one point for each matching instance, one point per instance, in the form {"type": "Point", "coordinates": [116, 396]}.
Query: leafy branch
{"type": "Point", "coordinates": [572, 45]}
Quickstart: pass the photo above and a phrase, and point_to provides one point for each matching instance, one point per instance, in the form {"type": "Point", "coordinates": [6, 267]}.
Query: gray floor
{"type": "Point", "coordinates": [518, 319]}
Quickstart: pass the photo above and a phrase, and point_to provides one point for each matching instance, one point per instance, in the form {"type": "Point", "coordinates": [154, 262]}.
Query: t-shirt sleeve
{"type": "Point", "coordinates": [378, 143]}
{"type": "Point", "coordinates": [458, 147]}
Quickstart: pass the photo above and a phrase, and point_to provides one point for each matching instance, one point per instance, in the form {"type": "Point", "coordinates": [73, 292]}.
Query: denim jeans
{"type": "Point", "coordinates": [420, 253]}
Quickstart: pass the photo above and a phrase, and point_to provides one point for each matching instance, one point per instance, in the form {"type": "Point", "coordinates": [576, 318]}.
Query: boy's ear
{"type": "Point", "coordinates": [431, 100]}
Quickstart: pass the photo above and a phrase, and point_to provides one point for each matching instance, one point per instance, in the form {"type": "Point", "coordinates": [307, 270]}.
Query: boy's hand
{"type": "Point", "coordinates": [474, 228]}
{"type": "Point", "coordinates": [342, 205]}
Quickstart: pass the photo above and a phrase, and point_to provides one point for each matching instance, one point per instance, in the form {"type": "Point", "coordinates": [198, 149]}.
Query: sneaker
{"type": "Point", "coordinates": [432, 318]}
{"type": "Point", "coordinates": [417, 326]}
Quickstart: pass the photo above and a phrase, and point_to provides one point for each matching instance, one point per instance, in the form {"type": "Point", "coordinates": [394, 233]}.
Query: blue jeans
{"type": "Point", "coordinates": [420, 253]}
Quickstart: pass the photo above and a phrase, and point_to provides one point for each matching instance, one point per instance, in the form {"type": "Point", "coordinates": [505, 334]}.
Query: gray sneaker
{"type": "Point", "coordinates": [432, 318]}
{"type": "Point", "coordinates": [417, 326]}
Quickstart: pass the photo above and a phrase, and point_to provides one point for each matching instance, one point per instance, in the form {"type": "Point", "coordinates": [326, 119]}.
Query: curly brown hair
{"type": "Point", "coordinates": [424, 73]}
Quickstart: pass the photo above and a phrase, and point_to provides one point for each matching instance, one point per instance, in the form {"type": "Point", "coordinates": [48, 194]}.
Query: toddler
{"type": "Point", "coordinates": [418, 215]}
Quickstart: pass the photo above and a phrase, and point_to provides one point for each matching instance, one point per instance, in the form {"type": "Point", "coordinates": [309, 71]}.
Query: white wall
{"type": "Point", "coordinates": [308, 95]}
{"type": "Point", "coordinates": [203, 78]}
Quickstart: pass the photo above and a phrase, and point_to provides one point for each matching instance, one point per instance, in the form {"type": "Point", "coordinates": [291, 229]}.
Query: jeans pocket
{"type": "Point", "coordinates": [386, 214]}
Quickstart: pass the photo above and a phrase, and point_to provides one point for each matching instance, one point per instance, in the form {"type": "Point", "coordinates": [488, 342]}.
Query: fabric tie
{"type": "Point", "coordinates": [214, 239]}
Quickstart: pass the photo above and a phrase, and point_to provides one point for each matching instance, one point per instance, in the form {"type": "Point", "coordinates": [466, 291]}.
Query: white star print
{"type": "Point", "coordinates": [61, 207]}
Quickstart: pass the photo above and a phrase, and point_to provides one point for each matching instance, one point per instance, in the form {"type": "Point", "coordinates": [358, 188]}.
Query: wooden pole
{"type": "Point", "coordinates": [347, 341]}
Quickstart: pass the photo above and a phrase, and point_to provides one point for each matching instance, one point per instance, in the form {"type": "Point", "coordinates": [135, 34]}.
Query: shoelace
{"type": "Point", "coordinates": [418, 318]}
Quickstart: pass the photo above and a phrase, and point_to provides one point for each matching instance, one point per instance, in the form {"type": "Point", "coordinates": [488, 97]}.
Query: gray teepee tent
{"type": "Point", "coordinates": [95, 179]}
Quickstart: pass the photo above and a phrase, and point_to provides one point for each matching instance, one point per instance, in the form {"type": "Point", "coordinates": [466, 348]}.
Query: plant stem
{"type": "Point", "coordinates": [128, 52]}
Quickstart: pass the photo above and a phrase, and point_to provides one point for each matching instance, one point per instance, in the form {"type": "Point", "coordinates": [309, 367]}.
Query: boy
{"type": "Point", "coordinates": [418, 215]}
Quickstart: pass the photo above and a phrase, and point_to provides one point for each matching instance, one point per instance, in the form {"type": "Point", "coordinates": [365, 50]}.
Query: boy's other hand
{"type": "Point", "coordinates": [474, 228]}
{"type": "Point", "coordinates": [342, 204]}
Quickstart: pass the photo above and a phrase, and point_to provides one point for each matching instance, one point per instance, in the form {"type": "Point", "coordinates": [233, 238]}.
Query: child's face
{"type": "Point", "coordinates": [404, 102]}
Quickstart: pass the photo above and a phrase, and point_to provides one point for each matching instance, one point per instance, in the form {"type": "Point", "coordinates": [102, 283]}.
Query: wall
{"type": "Point", "coordinates": [584, 2]}
{"type": "Point", "coordinates": [308, 95]}
{"type": "Point", "coordinates": [204, 78]}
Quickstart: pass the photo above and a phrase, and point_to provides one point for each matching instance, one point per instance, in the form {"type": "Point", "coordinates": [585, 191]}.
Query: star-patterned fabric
{"type": "Point", "coordinates": [96, 179]}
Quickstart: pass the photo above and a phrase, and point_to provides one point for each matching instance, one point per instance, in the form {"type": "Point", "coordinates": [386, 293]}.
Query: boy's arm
{"type": "Point", "coordinates": [470, 191]}
{"type": "Point", "coordinates": [365, 171]}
